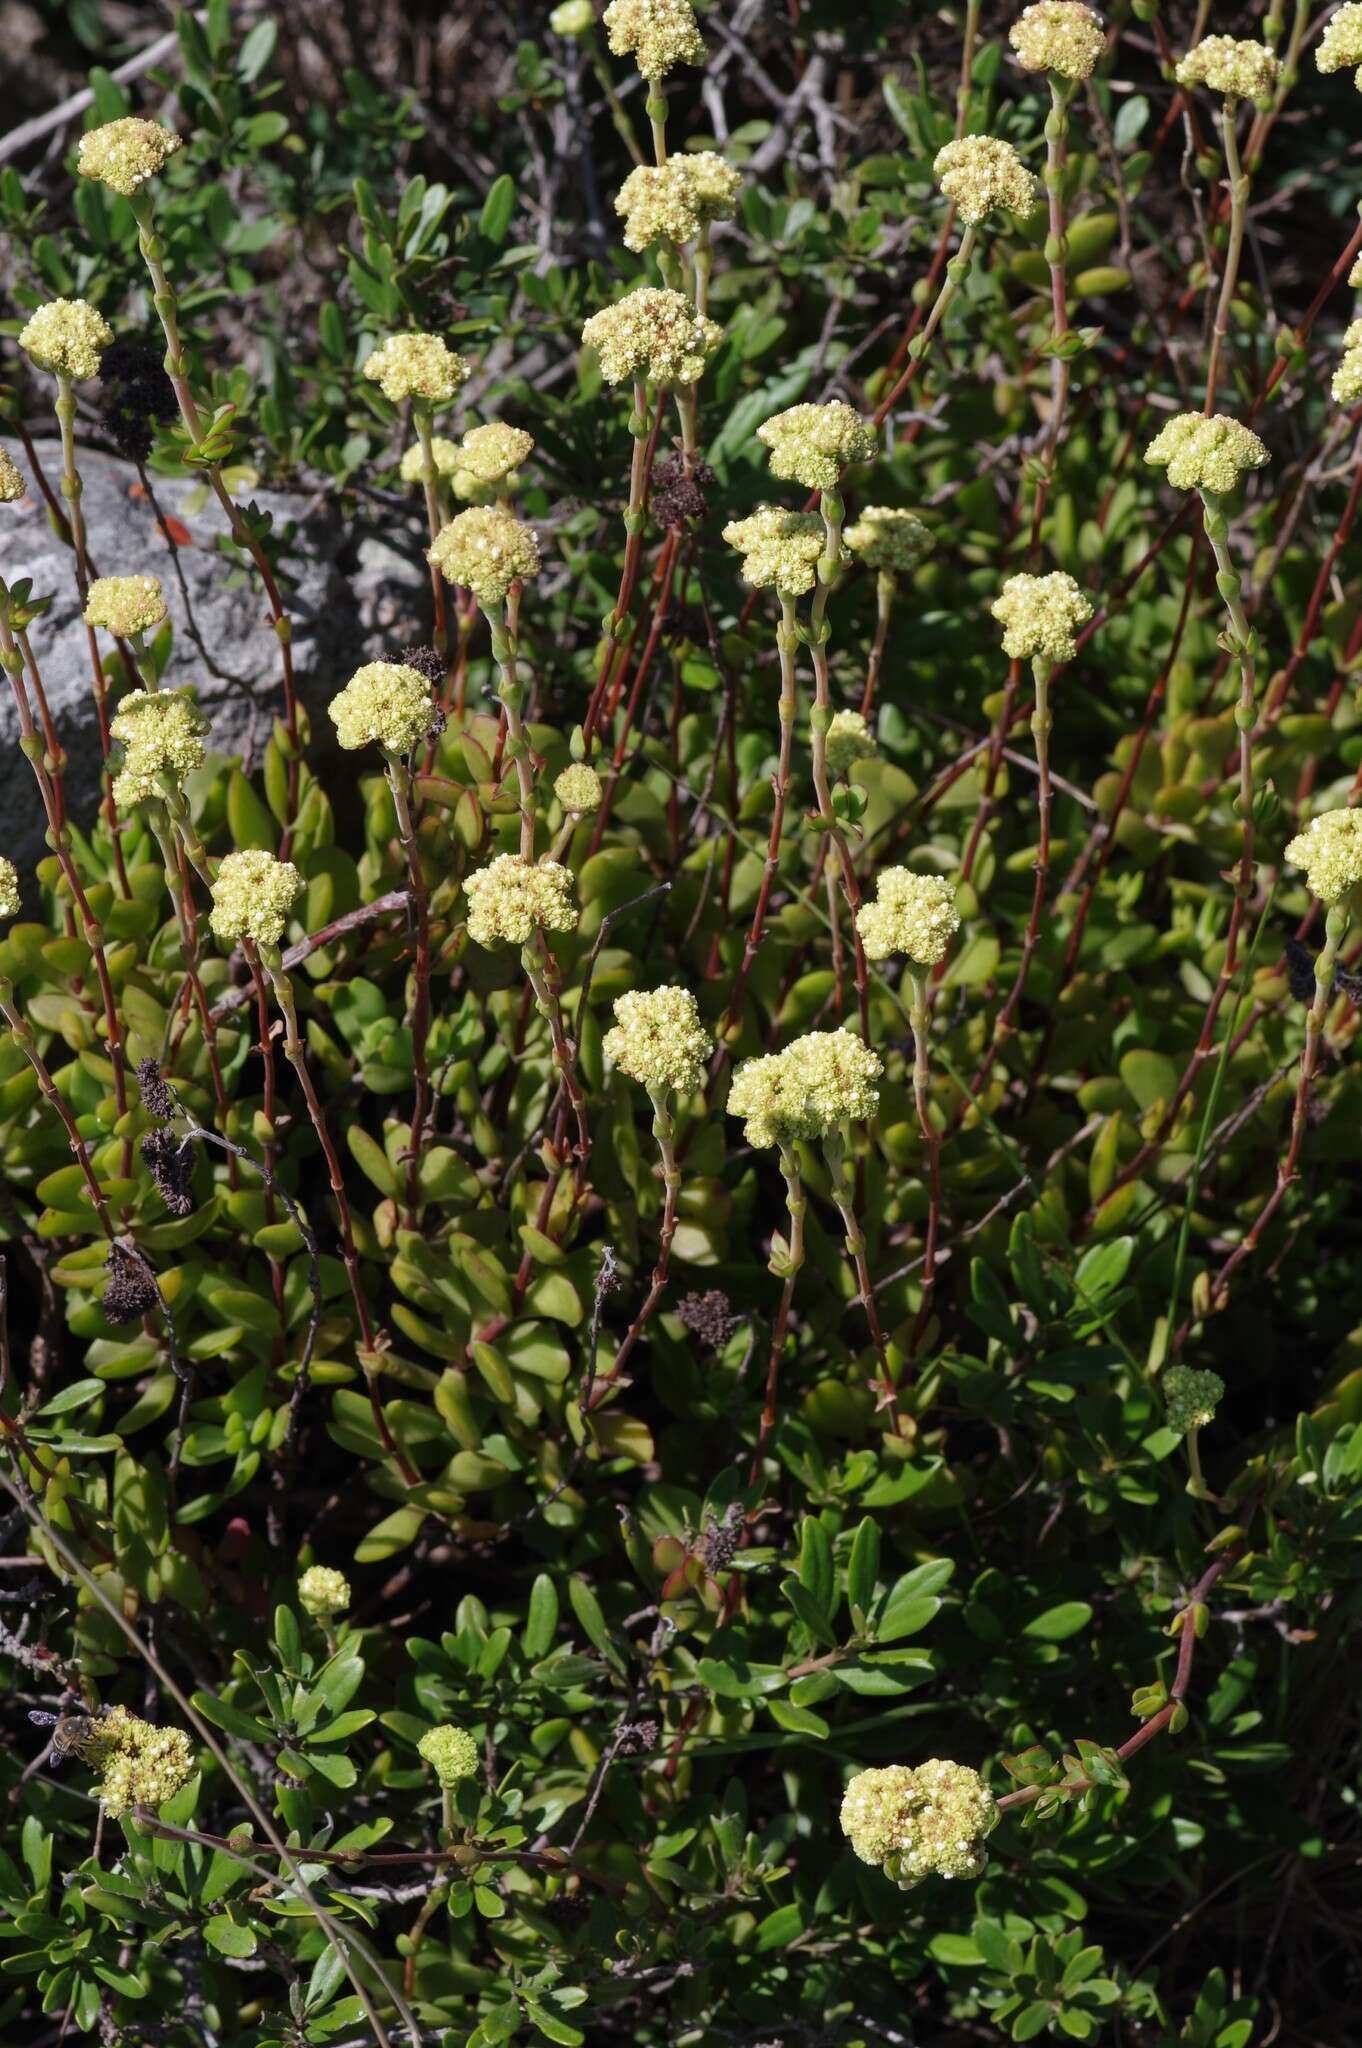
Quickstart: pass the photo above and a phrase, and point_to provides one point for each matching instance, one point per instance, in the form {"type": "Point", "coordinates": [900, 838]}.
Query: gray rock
{"type": "Point", "coordinates": [351, 597]}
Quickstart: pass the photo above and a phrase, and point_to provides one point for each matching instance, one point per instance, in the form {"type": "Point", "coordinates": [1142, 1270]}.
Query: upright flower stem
{"type": "Point", "coordinates": [919, 1017]}
{"type": "Point", "coordinates": [796, 1203]}
{"type": "Point", "coordinates": [957, 270]}
{"type": "Point", "coordinates": [704, 265]}
{"type": "Point", "coordinates": [72, 490]}
{"type": "Point", "coordinates": [177, 883]}
{"type": "Point", "coordinates": [655, 107]}
{"type": "Point", "coordinates": [542, 972]}
{"type": "Point", "coordinates": [787, 641]}
{"type": "Point", "coordinates": [665, 1133]}
{"type": "Point", "coordinates": [644, 432]}
{"type": "Point", "coordinates": [510, 693]}
{"type": "Point", "coordinates": [1057, 257]}
{"type": "Point", "coordinates": [22, 1033]}
{"type": "Point", "coordinates": [844, 1195]}
{"type": "Point", "coordinates": [399, 782]}
{"type": "Point", "coordinates": [422, 420]}
{"type": "Point", "coordinates": [1242, 643]}
{"type": "Point", "coordinates": [886, 588]}
{"type": "Point", "coordinates": [820, 718]}
{"type": "Point", "coordinates": [1237, 180]}
{"type": "Point", "coordinates": [1042, 720]}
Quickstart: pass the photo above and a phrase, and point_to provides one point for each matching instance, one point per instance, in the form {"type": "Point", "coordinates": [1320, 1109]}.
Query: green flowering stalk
{"type": "Point", "coordinates": [1190, 1401]}
{"type": "Point", "coordinates": [765, 1094]}
{"type": "Point", "coordinates": [452, 1754]}
{"type": "Point", "coordinates": [893, 543]}
{"type": "Point", "coordinates": [1237, 71]}
{"type": "Point", "coordinates": [931, 1820]}
{"type": "Point", "coordinates": [140, 1765]}
{"type": "Point", "coordinates": [658, 35]}
{"type": "Point", "coordinates": [422, 370]}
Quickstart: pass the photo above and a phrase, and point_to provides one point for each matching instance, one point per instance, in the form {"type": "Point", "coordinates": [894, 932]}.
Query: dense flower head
{"type": "Point", "coordinates": [652, 333]}
{"type": "Point", "coordinates": [911, 914]}
{"type": "Point", "coordinates": [419, 366]}
{"type": "Point", "coordinates": [572, 18]}
{"type": "Point", "coordinates": [9, 888]}
{"type": "Point", "coordinates": [67, 337]}
{"type": "Point", "coordinates": [512, 898]}
{"type": "Point", "coordinates": [1040, 615]}
{"type": "Point", "coordinates": [713, 183]}
{"type": "Point", "coordinates": [1340, 46]}
{"type": "Point", "coordinates": [849, 739]}
{"type": "Point", "coordinates": [1190, 1398]}
{"type": "Point", "coordinates": [1206, 454]}
{"type": "Point", "coordinates": [658, 1040]}
{"type": "Point", "coordinates": [1330, 851]}
{"type": "Point", "coordinates": [983, 175]}
{"type": "Point", "coordinates": [1238, 70]}
{"type": "Point", "coordinates": [1058, 35]}
{"type": "Point", "coordinates": [888, 539]}
{"type": "Point", "coordinates": [1347, 381]}
{"type": "Point", "coordinates": [578, 787]}
{"type": "Point", "coordinates": [323, 1591]}
{"type": "Point", "coordinates": [451, 1752]}
{"type": "Point", "coordinates": [12, 484]}
{"type": "Point", "coordinates": [253, 894]}
{"type": "Point", "coordinates": [385, 703]}
{"type": "Point", "coordinates": [487, 550]}
{"type": "Point", "coordinates": [1355, 274]}
{"type": "Point", "coordinates": [161, 733]}
{"type": "Point", "coordinates": [916, 1823]}
{"type": "Point", "coordinates": [657, 34]}
{"type": "Point", "coordinates": [780, 549]}
{"type": "Point", "coordinates": [490, 453]}
{"type": "Point", "coordinates": [124, 154]}
{"type": "Point", "coordinates": [819, 1081]}
{"type": "Point", "coordinates": [125, 605]}
{"type": "Point", "coordinates": [812, 444]}
{"type": "Point", "coordinates": [656, 205]}
{"type": "Point", "coordinates": [140, 1765]}
{"type": "Point", "coordinates": [446, 454]}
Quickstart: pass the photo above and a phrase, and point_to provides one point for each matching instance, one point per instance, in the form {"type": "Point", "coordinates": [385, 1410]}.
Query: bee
{"type": "Point", "coordinates": [72, 1734]}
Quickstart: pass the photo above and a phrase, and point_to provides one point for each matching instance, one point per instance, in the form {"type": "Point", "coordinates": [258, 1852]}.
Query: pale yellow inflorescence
{"type": "Point", "coordinates": [253, 894]}
{"type": "Point", "coordinates": [656, 205]}
{"type": "Point", "coordinates": [124, 154]}
{"type": "Point", "coordinates": [658, 1040]}
{"type": "Point", "coordinates": [1190, 1398]}
{"type": "Point", "coordinates": [451, 1752]}
{"type": "Point", "coordinates": [490, 453]}
{"type": "Point", "coordinates": [1206, 454]}
{"type": "Point", "coordinates": [652, 333]}
{"type": "Point", "coordinates": [512, 898]}
{"type": "Point", "coordinates": [780, 549]}
{"type": "Point", "coordinates": [912, 914]}
{"type": "Point", "coordinates": [1040, 615]}
{"type": "Point", "coordinates": [1058, 35]}
{"type": "Point", "coordinates": [419, 366]}
{"type": "Point", "coordinates": [657, 34]}
{"type": "Point", "coordinates": [447, 457]}
{"type": "Point", "coordinates": [578, 787]}
{"type": "Point", "coordinates": [572, 18]}
{"type": "Point", "coordinates": [849, 739]}
{"type": "Point", "coordinates": [813, 444]}
{"type": "Point", "coordinates": [125, 605]}
{"type": "Point", "coordinates": [323, 1591]}
{"type": "Point", "coordinates": [929, 1821]}
{"type": "Point", "coordinates": [140, 1765]}
{"type": "Point", "coordinates": [817, 1083]}
{"type": "Point", "coordinates": [713, 183]}
{"type": "Point", "coordinates": [486, 550]}
{"type": "Point", "coordinates": [384, 703]}
{"type": "Point", "coordinates": [1347, 380]}
{"type": "Point", "coordinates": [1330, 851]}
{"type": "Point", "coordinates": [1340, 46]}
{"type": "Point", "coordinates": [982, 175]}
{"type": "Point", "coordinates": [66, 338]}
{"type": "Point", "coordinates": [161, 733]}
{"type": "Point", "coordinates": [1223, 64]}
{"type": "Point", "coordinates": [1355, 275]}
{"type": "Point", "coordinates": [889, 540]}
{"type": "Point", "coordinates": [9, 888]}
{"type": "Point", "coordinates": [12, 484]}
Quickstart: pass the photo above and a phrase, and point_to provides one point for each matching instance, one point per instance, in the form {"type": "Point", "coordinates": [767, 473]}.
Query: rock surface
{"type": "Point", "coordinates": [353, 597]}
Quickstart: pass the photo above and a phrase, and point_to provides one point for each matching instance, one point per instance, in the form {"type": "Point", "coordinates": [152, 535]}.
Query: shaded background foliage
{"type": "Point", "coordinates": [1031, 1537]}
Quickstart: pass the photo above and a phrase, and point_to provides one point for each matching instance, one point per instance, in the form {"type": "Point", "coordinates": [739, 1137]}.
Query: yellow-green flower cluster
{"type": "Point", "coordinates": [849, 739]}
{"type": "Point", "coordinates": [930, 1821]}
{"type": "Point", "coordinates": [1355, 275]}
{"type": "Point", "coordinates": [447, 457]}
{"type": "Point", "coordinates": [1330, 851]}
{"type": "Point", "coordinates": [140, 1765]}
{"type": "Point", "coordinates": [1238, 70]}
{"type": "Point", "coordinates": [1340, 47]}
{"type": "Point", "coordinates": [386, 703]}
{"type": "Point", "coordinates": [1190, 1398]}
{"type": "Point", "coordinates": [161, 733]}
{"type": "Point", "coordinates": [655, 204]}
{"type": "Point", "coordinates": [67, 338]}
{"type": "Point", "coordinates": [125, 605]}
{"type": "Point", "coordinates": [513, 898]}
{"type": "Point", "coordinates": [419, 366]}
{"type": "Point", "coordinates": [780, 549]}
{"type": "Point", "coordinates": [451, 1752]}
{"type": "Point", "coordinates": [1206, 454]}
{"type": "Point", "coordinates": [820, 1081]}
{"type": "Point", "coordinates": [911, 914]}
{"type": "Point", "coordinates": [578, 788]}
{"type": "Point", "coordinates": [9, 888]}
{"type": "Point", "coordinates": [889, 540]}
{"type": "Point", "coordinates": [812, 444]}
{"type": "Point", "coordinates": [1347, 384]}
{"type": "Point", "coordinates": [124, 154]}
{"type": "Point", "coordinates": [487, 550]}
{"type": "Point", "coordinates": [491, 453]}
{"type": "Point", "coordinates": [657, 34]}
{"type": "Point", "coordinates": [253, 894]}
{"type": "Point", "coordinates": [1041, 615]}
{"type": "Point", "coordinates": [323, 1591]}
{"type": "Point", "coordinates": [1058, 35]}
{"type": "Point", "coordinates": [658, 1040]}
{"type": "Point", "coordinates": [982, 175]}
{"type": "Point", "coordinates": [713, 183]}
{"type": "Point", "coordinates": [12, 484]}
{"type": "Point", "coordinates": [652, 333]}
{"type": "Point", "coordinates": [572, 18]}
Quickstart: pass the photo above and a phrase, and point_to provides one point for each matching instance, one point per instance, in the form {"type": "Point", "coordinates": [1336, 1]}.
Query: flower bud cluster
{"type": "Point", "coordinates": [658, 1039]}
{"type": "Point", "coordinates": [813, 444]}
{"type": "Point", "coordinates": [66, 338]}
{"type": "Point", "coordinates": [253, 894]}
{"type": "Point", "coordinates": [1041, 615]}
{"type": "Point", "coordinates": [817, 1083]}
{"type": "Point", "coordinates": [161, 733]}
{"type": "Point", "coordinates": [513, 898]}
{"type": "Point", "coordinates": [911, 914]}
{"type": "Point", "coordinates": [384, 703]}
{"type": "Point", "coordinates": [982, 175]}
{"type": "Point", "coordinates": [929, 1821]}
{"type": "Point", "coordinates": [1203, 454]}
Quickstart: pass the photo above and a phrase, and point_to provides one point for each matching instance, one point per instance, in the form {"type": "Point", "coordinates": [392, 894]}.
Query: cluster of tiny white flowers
{"type": "Point", "coordinates": [451, 1752]}
{"type": "Point", "coordinates": [889, 540]}
{"type": "Point", "coordinates": [66, 338]}
{"type": "Point", "coordinates": [1041, 615]}
{"type": "Point", "coordinates": [849, 739]}
{"type": "Point", "coordinates": [487, 550]}
{"type": "Point", "coordinates": [1058, 35]}
{"type": "Point", "coordinates": [124, 154]}
{"type": "Point", "coordinates": [253, 894]}
{"type": "Point", "coordinates": [652, 333]}
{"type": "Point", "coordinates": [1330, 851]}
{"type": "Point", "coordinates": [419, 366]}
{"type": "Point", "coordinates": [161, 733]}
{"type": "Point", "coordinates": [1237, 70]}
{"type": "Point", "coordinates": [578, 787]}
{"type": "Point", "coordinates": [12, 485]}
{"type": "Point", "coordinates": [813, 444]}
{"type": "Point", "coordinates": [386, 703]}
{"type": "Point", "coordinates": [817, 1083]}
{"type": "Point", "coordinates": [322, 1591]}
{"type": "Point", "coordinates": [125, 605]}
{"type": "Point", "coordinates": [1206, 454]}
{"type": "Point", "coordinates": [912, 914]}
{"type": "Point", "coordinates": [1347, 382]}
{"type": "Point", "coordinates": [929, 1821]}
{"type": "Point", "coordinates": [657, 34]}
{"type": "Point", "coordinates": [141, 1765]}
{"type": "Point", "coordinates": [658, 1040]}
{"type": "Point", "coordinates": [1340, 46]}
{"type": "Point", "coordinates": [982, 175]}
{"type": "Point", "coordinates": [9, 888]}
{"type": "Point", "coordinates": [780, 549]}
{"type": "Point", "coordinates": [512, 898]}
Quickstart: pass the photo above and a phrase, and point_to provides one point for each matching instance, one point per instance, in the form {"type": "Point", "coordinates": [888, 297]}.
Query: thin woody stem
{"type": "Point", "coordinates": [399, 782]}
{"type": "Point", "coordinates": [796, 1203]}
{"type": "Point", "coordinates": [542, 973]}
{"type": "Point", "coordinates": [430, 483]}
{"type": "Point", "coordinates": [787, 639]}
{"type": "Point", "coordinates": [665, 1133]}
{"type": "Point", "coordinates": [844, 1196]}
{"type": "Point", "coordinates": [71, 490]}
{"type": "Point", "coordinates": [1237, 180]}
{"type": "Point", "coordinates": [919, 1017]}
{"type": "Point", "coordinates": [820, 718]}
{"type": "Point", "coordinates": [510, 694]}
